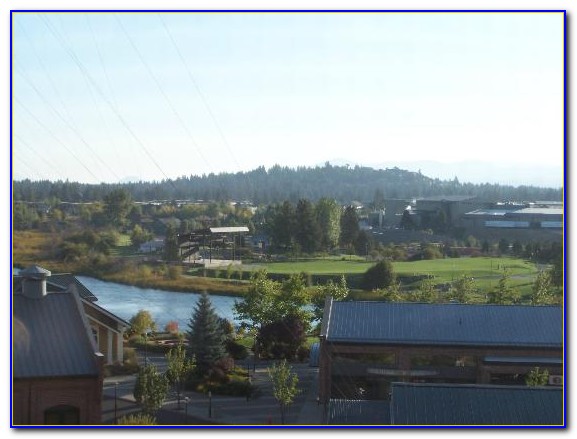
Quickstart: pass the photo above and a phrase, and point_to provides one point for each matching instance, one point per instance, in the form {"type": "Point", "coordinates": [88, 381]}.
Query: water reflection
{"type": "Point", "coordinates": [126, 300]}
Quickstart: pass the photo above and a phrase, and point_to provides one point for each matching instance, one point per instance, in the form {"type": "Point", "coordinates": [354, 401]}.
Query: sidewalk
{"type": "Point", "coordinates": [227, 410]}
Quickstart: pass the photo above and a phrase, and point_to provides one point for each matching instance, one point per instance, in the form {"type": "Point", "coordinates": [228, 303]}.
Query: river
{"type": "Point", "coordinates": [126, 300]}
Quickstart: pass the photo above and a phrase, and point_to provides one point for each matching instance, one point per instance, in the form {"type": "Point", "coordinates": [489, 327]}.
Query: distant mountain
{"type": "Point", "coordinates": [345, 184]}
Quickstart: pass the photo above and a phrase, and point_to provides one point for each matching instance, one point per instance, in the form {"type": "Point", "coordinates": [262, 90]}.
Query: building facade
{"type": "Point", "coordinates": [366, 346]}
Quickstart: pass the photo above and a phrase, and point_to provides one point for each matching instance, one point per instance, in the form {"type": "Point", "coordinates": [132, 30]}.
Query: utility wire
{"type": "Point", "coordinates": [37, 154]}
{"type": "Point", "coordinates": [63, 119]}
{"type": "Point", "coordinates": [106, 99]}
{"type": "Point", "coordinates": [200, 93]}
{"type": "Point", "coordinates": [55, 138]}
{"type": "Point", "coordinates": [162, 92]}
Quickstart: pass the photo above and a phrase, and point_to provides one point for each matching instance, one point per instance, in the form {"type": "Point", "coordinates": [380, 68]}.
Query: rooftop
{"type": "Point", "coordinates": [443, 324]}
{"type": "Point", "coordinates": [451, 404]}
{"type": "Point", "coordinates": [50, 337]}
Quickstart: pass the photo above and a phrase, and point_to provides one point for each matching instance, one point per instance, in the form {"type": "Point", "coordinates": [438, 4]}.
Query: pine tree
{"type": "Point", "coordinates": [205, 336]}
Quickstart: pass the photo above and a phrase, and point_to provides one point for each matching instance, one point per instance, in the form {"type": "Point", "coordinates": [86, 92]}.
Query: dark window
{"type": "Point", "coordinates": [62, 415]}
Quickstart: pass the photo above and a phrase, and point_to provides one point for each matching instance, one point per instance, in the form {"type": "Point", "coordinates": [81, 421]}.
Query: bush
{"type": "Point", "coordinates": [303, 353]}
{"type": "Point", "coordinates": [137, 419]}
{"type": "Point", "coordinates": [380, 275]}
{"type": "Point", "coordinates": [236, 350]}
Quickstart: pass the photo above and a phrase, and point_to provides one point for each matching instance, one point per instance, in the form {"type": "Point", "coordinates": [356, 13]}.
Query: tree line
{"type": "Point", "coordinates": [261, 186]}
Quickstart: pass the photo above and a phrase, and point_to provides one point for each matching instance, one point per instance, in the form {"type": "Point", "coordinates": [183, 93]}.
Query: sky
{"type": "Point", "coordinates": [400, 142]}
{"type": "Point", "coordinates": [108, 97]}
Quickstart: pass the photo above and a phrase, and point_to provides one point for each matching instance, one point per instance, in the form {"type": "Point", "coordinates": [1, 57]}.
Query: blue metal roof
{"type": "Point", "coordinates": [443, 324]}
{"type": "Point", "coordinates": [358, 412]}
{"type": "Point", "coordinates": [452, 404]}
{"type": "Point", "coordinates": [56, 282]}
{"type": "Point", "coordinates": [50, 337]}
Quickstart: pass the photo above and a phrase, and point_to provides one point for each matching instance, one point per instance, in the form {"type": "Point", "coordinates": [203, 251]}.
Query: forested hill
{"type": "Point", "coordinates": [343, 183]}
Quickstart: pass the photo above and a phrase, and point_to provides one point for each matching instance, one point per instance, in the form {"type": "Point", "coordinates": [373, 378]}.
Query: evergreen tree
{"type": "Point", "coordinates": [349, 227]}
{"type": "Point", "coordinates": [205, 337]}
{"type": "Point", "coordinates": [170, 244]}
{"type": "Point", "coordinates": [329, 219]}
{"type": "Point", "coordinates": [282, 229]}
{"type": "Point", "coordinates": [307, 232]}
{"type": "Point", "coordinates": [117, 206]}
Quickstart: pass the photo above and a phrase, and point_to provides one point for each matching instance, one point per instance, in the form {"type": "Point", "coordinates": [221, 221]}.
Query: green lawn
{"type": "Point", "coordinates": [443, 269]}
{"type": "Point", "coordinates": [486, 271]}
{"type": "Point", "coordinates": [315, 266]}
{"type": "Point", "coordinates": [446, 270]}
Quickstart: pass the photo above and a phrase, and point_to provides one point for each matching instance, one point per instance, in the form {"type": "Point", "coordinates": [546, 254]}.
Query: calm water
{"type": "Point", "coordinates": [126, 300]}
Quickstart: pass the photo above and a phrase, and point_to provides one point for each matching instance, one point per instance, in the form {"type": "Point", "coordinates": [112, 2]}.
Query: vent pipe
{"type": "Point", "coordinates": [34, 282]}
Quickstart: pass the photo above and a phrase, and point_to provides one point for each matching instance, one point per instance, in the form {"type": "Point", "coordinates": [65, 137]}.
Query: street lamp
{"type": "Point", "coordinates": [186, 399]}
{"type": "Point", "coordinates": [115, 403]}
{"type": "Point", "coordinates": [209, 404]}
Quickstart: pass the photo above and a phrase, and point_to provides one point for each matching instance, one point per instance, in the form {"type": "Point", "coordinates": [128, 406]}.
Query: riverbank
{"type": "Point", "coordinates": [144, 277]}
{"type": "Point", "coordinates": [182, 284]}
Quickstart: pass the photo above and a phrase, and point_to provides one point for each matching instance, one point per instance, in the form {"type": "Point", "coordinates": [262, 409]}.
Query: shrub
{"type": "Point", "coordinates": [236, 350]}
{"type": "Point", "coordinates": [172, 327]}
{"type": "Point", "coordinates": [380, 275]}
{"type": "Point", "coordinates": [137, 419]}
{"type": "Point", "coordinates": [303, 353]}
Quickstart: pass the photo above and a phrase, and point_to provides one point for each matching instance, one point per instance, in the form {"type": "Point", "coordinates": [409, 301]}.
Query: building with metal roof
{"type": "Point", "coordinates": [365, 346]}
{"type": "Point", "coordinates": [107, 328]}
{"type": "Point", "coordinates": [475, 405]}
{"type": "Point", "coordinates": [56, 364]}
{"type": "Point", "coordinates": [358, 412]}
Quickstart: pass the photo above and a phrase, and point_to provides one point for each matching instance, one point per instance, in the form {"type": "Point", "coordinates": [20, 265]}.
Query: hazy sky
{"type": "Point", "coordinates": [103, 96]}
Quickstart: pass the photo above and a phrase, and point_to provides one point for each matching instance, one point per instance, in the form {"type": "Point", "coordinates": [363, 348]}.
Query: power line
{"type": "Point", "coordinates": [162, 92]}
{"type": "Point", "coordinates": [200, 93]}
{"type": "Point", "coordinates": [55, 138]}
{"type": "Point", "coordinates": [64, 120]}
{"type": "Point", "coordinates": [37, 154]}
{"type": "Point", "coordinates": [105, 98]}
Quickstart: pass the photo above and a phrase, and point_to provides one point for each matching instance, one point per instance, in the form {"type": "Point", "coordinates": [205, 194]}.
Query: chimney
{"type": "Point", "coordinates": [34, 282]}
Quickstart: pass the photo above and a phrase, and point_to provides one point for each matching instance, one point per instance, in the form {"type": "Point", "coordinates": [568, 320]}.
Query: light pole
{"type": "Point", "coordinates": [115, 403]}
{"type": "Point", "coordinates": [186, 399]}
{"type": "Point", "coordinates": [209, 404]}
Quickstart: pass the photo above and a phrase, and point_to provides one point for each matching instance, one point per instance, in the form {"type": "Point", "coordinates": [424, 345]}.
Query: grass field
{"type": "Point", "coordinates": [444, 270]}
{"type": "Point", "coordinates": [485, 270]}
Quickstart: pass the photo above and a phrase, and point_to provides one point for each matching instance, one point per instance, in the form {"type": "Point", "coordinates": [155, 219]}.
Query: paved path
{"type": "Point", "coordinates": [223, 410]}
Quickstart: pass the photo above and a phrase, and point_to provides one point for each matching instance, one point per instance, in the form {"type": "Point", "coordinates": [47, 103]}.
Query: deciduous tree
{"type": "Point", "coordinates": [150, 389]}
{"type": "Point", "coordinates": [142, 322]}
{"type": "Point", "coordinates": [284, 385]}
{"type": "Point", "coordinates": [179, 366]}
